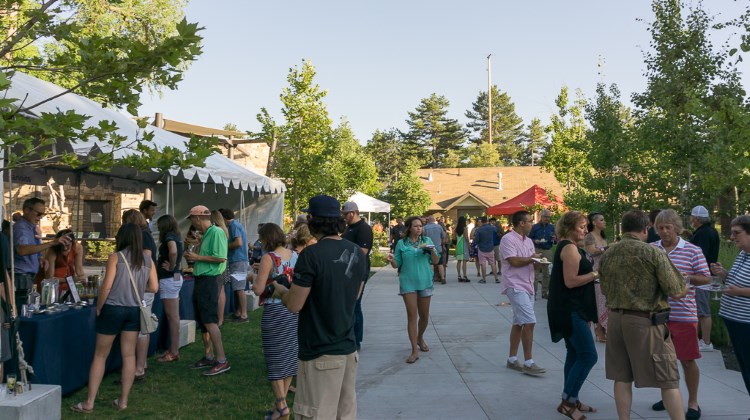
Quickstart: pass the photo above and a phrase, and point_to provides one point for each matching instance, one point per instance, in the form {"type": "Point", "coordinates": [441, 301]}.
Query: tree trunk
{"type": "Point", "coordinates": [269, 165]}
{"type": "Point", "coordinates": [725, 203]}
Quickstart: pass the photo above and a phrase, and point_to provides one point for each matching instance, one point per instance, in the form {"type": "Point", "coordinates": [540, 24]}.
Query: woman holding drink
{"type": "Point", "coordinates": [414, 255]}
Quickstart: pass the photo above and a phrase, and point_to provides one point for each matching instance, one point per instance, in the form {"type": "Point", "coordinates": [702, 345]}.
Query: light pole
{"type": "Point", "coordinates": [489, 98]}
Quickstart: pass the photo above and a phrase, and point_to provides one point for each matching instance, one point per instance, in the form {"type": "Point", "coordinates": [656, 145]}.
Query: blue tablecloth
{"type": "Point", "coordinates": [60, 347]}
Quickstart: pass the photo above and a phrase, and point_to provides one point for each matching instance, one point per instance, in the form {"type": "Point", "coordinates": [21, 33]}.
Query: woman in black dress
{"type": "Point", "coordinates": [570, 309]}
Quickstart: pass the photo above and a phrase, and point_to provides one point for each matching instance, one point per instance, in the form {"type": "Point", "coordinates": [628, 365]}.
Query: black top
{"type": "Point", "coordinates": [361, 234]}
{"type": "Point", "coordinates": [652, 235]}
{"type": "Point", "coordinates": [164, 256]}
{"type": "Point", "coordinates": [563, 300]}
{"type": "Point", "coordinates": [333, 270]}
{"type": "Point", "coordinates": [707, 238]}
{"type": "Point", "coordinates": [149, 243]}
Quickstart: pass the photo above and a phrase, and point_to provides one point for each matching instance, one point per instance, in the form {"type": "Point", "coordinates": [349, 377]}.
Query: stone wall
{"type": "Point", "coordinates": [253, 156]}
{"type": "Point", "coordinates": [63, 206]}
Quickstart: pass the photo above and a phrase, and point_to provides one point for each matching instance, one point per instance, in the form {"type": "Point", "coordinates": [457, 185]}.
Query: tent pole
{"type": "Point", "coordinates": [78, 210]}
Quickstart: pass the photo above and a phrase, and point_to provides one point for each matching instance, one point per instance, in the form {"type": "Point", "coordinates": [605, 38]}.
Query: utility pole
{"type": "Point", "coordinates": [489, 97]}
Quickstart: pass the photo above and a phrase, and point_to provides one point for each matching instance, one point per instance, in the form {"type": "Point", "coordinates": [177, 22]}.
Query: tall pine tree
{"type": "Point", "coordinates": [507, 126]}
{"type": "Point", "coordinates": [432, 135]}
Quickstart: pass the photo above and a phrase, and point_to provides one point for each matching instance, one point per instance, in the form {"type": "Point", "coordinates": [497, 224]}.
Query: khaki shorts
{"type": "Point", "coordinates": [326, 388]}
{"type": "Point", "coordinates": [640, 352]}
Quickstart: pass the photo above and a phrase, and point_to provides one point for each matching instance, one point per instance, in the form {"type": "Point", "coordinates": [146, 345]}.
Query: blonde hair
{"type": "Point", "coordinates": [302, 236]}
{"type": "Point", "coordinates": [218, 219]}
{"type": "Point", "coordinates": [567, 223]}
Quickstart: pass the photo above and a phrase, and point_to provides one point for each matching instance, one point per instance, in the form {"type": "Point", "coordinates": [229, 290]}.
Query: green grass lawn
{"type": "Point", "coordinates": [174, 391]}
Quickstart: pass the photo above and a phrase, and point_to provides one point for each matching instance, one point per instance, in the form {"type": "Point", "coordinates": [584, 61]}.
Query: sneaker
{"type": "Point", "coordinates": [483, 281]}
{"type": "Point", "coordinates": [203, 363]}
{"type": "Point", "coordinates": [515, 365]}
{"type": "Point", "coordinates": [533, 370]}
{"type": "Point", "coordinates": [239, 320]}
{"type": "Point", "coordinates": [702, 346]}
{"type": "Point", "coordinates": [218, 369]}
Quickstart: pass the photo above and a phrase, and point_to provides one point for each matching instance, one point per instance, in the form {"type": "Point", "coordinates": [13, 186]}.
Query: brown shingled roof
{"type": "Point", "coordinates": [448, 185]}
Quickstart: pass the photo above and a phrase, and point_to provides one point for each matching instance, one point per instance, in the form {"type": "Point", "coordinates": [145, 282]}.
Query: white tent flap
{"type": "Point", "coordinates": [369, 204]}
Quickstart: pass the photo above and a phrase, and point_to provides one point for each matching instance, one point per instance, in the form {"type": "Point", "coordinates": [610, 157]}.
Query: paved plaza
{"type": "Point", "coordinates": [463, 376]}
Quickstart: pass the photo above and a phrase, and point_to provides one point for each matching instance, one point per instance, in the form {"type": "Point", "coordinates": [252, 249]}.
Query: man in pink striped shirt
{"type": "Point", "coordinates": [517, 251]}
{"type": "Point", "coordinates": [683, 318]}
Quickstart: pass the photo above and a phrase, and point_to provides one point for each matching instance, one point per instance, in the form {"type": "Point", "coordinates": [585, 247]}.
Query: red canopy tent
{"type": "Point", "coordinates": [525, 200]}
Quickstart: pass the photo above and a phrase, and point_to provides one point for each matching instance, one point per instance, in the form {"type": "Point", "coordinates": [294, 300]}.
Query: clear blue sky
{"type": "Point", "coordinates": [377, 59]}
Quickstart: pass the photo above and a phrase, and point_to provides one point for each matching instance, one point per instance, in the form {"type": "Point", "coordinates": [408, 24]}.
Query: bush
{"type": "Point", "coordinates": [99, 250]}
{"type": "Point", "coordinates": [377, 259]}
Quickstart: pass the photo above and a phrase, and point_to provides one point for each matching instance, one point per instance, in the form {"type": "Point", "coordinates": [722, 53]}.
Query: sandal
{"type": "Point", "coordinates": [79, 408]}
{"type": "Point", "coordinates": [168, 357]}
{"type": "Point", "coordinates": [569, 410]}
{"type": "Point", "coordinates": [412, 358]}
{"type": "Point", "coordinates": [584, 408]}
{"type": "Point", "coordinates": [423, 346]}
{"type": "Point", "coordinates": [282, 412]}
{"type": "Point", "coordinates": [116, 404]}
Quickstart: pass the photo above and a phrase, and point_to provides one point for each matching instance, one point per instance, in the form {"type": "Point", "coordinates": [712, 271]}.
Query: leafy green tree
{"type": "Point", "coordinates": [534, 143]}
{"type": "Point", "coordinates": [106, 51]}
{"type": "Point", "coordinates": [565, 156]}
{"type": "Point", "coordinates": [387, 150]}
{"type": "Point", "coordinates": [615, 182]}
{"type": "Point", "coordinates": [507, 126]}
{"type": "Point", "coordinates": [303, 141]}
{"type": "Point", "coordinates": [484, 155]}
{"type": "Point", "coordinates": [407, 195]}
{"type": "Point", "coordinates": [352, 169]}
{"type": "Point", "coordinates": [432, 134]}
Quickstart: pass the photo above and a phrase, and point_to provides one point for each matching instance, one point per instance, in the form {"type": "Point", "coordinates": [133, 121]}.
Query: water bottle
{"type": "Point", "coordinates": [34, 299]}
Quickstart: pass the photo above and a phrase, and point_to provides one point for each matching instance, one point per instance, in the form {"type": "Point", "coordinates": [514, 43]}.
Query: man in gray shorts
{"type": "Point", "coordinates": [636, 279]}
{"type": "Point", "coordinates": [707, 239]}
{"type": "Point", "coordinates": [237, 263]}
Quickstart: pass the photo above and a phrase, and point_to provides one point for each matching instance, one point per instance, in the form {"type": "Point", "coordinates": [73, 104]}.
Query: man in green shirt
{"type": "Point", "coordinates": [636, 279]}
{"type": "Point", "coordinates": [210, 262]}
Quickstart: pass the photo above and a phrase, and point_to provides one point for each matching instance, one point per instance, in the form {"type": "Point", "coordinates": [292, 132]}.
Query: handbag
{"type": "Point", "coordinates": [149, 321]}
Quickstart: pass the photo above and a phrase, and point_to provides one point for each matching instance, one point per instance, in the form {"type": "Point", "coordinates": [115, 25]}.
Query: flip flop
{"type": "Point", "coordinates": [79, 408]}
{"type": "Point", "coordinates": [116, 404]}
{"type": "Point", "coordinates": [423, 346]}
{"type": "Point", "coordinates": [411, 359]}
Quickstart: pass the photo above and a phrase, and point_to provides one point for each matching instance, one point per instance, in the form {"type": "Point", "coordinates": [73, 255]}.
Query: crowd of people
{"type": "Point", "coordinates": [312, 322]}
{"type": "Point", "coordinates": [644, 294]}
{"type": "Point", "coordinates": [646, 301]}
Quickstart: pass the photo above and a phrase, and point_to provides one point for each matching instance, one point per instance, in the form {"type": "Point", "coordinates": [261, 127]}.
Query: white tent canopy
{"type": "Point", "coordinates": [220, 183]}
{"type": "Point", "coordinates": [369, 204]}
{"type": "Point", "coordinates": [219, 169]}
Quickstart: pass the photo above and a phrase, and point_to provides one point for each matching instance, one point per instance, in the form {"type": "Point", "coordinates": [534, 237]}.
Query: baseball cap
{"type": "Point", "coordinates": [699, 211]}
{"type": "Point", "coordinates": [199, 211]}
{"type": "Point", "coordinates": [323, 206]}
{"type": "Point", "coordinates": [349, 206]}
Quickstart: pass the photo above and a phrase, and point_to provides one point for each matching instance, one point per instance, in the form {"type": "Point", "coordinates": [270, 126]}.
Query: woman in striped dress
{"type": "Point", "coordinates": [278, 326]}
{"type": "Point", "coordinates": [735, 301]}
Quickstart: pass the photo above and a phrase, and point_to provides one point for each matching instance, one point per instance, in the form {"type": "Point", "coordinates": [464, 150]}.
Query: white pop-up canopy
{"type": "Point", "coordinates": [369, 204]}
{"type": "Point", "coordinates": [241, 186]}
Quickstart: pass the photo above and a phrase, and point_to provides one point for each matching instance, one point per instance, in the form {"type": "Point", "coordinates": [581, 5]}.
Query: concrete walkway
{"type": "Point", "coordinates": [463, 376]}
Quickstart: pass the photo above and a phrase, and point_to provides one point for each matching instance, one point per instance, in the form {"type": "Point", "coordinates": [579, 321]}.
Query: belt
{"type": "Point", "coordinates": [642, 314]}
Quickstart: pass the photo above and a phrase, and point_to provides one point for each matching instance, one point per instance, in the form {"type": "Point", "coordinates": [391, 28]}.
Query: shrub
{"type": "Point", "coordinates": [99, 250]}
{"type": "Point", "coordinates": [377, 259]}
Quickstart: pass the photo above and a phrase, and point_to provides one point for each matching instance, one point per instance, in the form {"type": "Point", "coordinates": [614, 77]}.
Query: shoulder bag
{"type": "Point", "coordinates": [149, 321]}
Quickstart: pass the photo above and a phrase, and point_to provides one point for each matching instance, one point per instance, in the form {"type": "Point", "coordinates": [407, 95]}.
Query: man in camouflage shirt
{"type": "Point", "coordinates": [636, 279]}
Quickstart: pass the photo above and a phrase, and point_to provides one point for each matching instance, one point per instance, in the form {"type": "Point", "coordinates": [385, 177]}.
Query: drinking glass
{"type": "Point", "coordinates": [716, 287]}
{"type": "Point", "coordinates": [11, 379]}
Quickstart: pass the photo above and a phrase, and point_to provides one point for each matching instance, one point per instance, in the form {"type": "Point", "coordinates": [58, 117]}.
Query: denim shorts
{"type": "Point", "coordinates": [420, 293]}
{"type": "Point", "coordinates": [114, 319]}
{"type": "Point", "coordinates": [169, 288]}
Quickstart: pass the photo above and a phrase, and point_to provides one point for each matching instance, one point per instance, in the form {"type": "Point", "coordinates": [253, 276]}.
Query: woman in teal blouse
{"type": "Point", "coordinates": [414, 256]}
